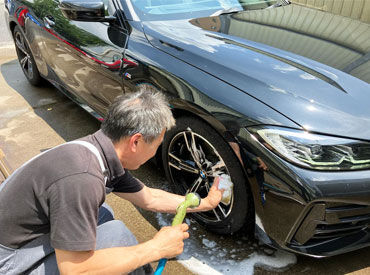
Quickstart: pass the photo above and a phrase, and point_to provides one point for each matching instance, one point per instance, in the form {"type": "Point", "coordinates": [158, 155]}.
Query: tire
{"type": "Point", "coordinates": [184, 174]}
{"type": "Point", "coordinates": [25, 58]}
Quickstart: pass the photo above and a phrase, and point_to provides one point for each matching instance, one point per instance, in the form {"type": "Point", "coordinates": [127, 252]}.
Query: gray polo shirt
{"type": "Point", "coordinates": [60, 193]}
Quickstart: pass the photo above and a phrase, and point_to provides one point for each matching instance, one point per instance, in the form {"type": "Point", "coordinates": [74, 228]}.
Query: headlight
{"type": "Point", "coordinates": [315, 151]}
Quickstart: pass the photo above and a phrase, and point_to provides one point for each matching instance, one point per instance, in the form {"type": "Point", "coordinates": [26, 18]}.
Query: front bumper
{"type": "Point", "coordinates": [315, 213]}
{"type": "Point", "coordinates": [331, 228]}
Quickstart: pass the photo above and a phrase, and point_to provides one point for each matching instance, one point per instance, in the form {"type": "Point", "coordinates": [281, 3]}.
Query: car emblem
{"type": "Point", "coordinates": [202, 174]}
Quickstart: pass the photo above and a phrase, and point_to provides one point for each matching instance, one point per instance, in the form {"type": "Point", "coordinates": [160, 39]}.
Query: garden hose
{"type": "Point", "coordinates": [192, 200]}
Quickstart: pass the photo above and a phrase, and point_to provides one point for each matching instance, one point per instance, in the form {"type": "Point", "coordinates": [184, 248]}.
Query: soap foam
{"type": "Point", "coordinates": [208, 257]}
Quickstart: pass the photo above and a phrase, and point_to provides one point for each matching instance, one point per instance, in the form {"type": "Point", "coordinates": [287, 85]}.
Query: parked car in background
{"type": "Point", "coordinates": [274, 94]}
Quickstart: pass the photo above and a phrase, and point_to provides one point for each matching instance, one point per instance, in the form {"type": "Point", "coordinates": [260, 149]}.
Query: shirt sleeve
{"type": "Point", "coordinates": [74, 204]}
{"type": "Point", "coordinates": [127, 184]}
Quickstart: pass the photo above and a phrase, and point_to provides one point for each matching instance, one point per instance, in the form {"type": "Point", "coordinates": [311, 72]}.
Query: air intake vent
{"type": "Point", "coordinates": [332, 220]}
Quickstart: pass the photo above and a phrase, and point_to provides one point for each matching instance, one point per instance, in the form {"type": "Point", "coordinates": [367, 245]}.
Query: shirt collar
{"type": "Point", "coordinates": [113, 163]}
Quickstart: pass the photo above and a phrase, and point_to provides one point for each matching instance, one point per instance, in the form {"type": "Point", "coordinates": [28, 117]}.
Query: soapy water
{"type": "Point", "coordinates": [204, 256]}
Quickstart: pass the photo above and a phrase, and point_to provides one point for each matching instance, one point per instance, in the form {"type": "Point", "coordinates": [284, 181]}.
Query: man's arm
{"type": "Point", "coordinates": [167, 243]}
{"type": "Point", "coordinates": [161, 201]}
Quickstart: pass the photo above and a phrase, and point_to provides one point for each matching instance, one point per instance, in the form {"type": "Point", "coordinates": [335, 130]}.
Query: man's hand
{"type": "Point", "coordinates": [214, 195]}
{"type": "Point", "coordinates": [169, 241]}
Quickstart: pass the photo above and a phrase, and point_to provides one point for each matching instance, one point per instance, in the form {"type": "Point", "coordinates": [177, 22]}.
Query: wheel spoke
{"type": "Point", "coordinates": [216, 169]}
{"type": "Point", "coordinates": [195, 185]}
{"type": "Point", "coordinates": [217, 216]}
{"type": "Point", "coordinates": [192, 148]}
{"type": "Point", "coordinates": [24, 62]}
{"type": "Point", "coordinates": [222, 210]}
{"type": "Point", "coordinates": [30, 68]}
{"type": "Point", "coordinates": [181, 165]}
{"type": "Point", "coordinates": [197, 152]}
{"type": "Point", "coordinates": [207, 186]}
{"type": "Point", "coordinates": [201, 155]}
{"type": "Point", "coordinates": [20, 46]}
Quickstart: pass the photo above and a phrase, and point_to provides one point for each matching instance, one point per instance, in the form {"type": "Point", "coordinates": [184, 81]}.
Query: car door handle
{"type": "Point", "coordinates": [49, 21]}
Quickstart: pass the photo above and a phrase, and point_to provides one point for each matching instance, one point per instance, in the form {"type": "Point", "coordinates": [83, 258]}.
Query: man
{"type": "Point", "coordinates": [51, 209]}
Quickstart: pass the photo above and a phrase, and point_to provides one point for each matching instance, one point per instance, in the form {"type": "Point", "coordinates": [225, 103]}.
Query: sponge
{"type": "Point", "coordinates": [226, 184]}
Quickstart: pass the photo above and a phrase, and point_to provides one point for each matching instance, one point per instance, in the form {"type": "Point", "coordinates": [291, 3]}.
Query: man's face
{"type": "Point", "coordinates": [144, 151]}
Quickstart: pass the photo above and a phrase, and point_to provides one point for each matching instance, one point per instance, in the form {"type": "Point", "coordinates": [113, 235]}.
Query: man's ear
{"type": "Point", "coordinates": [134, 141]}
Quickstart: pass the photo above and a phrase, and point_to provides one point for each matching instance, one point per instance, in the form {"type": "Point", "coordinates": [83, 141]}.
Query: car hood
{"type": "Point", "coordinates": [320, 81]}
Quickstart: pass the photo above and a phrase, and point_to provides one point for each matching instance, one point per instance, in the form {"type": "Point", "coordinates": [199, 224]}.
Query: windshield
{"type": "Point", "coordinates": [148, 10]}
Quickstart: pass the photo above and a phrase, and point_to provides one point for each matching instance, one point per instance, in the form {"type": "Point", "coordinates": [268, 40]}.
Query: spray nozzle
{"type": "Point", "coordinates": [192, 200]}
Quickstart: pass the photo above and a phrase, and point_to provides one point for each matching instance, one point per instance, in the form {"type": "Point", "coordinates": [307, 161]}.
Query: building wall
{"type": "Point", "coordinates": [333, 39]}
{"type": "Point", "coordinates": [356, 9]}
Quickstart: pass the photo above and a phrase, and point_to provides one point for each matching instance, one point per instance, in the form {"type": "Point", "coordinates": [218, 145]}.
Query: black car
{"type": "Point", "coordinates": [274, 94]}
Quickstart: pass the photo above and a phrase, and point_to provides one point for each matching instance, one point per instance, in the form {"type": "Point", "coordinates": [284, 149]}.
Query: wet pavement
{"type": "Point", "coordinates": [35, 119]}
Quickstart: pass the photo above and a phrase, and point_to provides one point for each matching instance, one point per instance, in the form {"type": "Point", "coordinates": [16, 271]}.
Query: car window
{"type": "Point", "coordinates": [181, 9]}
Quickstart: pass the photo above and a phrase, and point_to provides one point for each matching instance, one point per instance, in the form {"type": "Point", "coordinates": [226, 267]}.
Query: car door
{"type": "Point", "coordinates": [84, 57]}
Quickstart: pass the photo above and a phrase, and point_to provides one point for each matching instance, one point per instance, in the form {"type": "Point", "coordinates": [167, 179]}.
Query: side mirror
{"type": "Point", "coordinates": [90, 10]}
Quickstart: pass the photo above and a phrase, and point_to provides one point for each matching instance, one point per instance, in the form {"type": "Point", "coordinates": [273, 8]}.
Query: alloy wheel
{"type": "Point", "coordinates": [193, 164]}
{"type": "Point", "coordinates": [24, 55]}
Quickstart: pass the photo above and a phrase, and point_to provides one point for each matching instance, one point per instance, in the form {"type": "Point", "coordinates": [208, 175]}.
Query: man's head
{"type": "Point", "coordinates": [136, 124]}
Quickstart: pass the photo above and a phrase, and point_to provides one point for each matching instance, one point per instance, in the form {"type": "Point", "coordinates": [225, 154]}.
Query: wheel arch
{"type": "Point", "coordinates": [12, 26]}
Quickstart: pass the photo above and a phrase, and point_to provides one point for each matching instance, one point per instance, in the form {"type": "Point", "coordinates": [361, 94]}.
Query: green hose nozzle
{"type": "Point", "coordinates": [192, 200]}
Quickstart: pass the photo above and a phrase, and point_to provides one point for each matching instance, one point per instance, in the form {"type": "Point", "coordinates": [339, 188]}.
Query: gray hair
{"type": "Point", "coordinates": [146, 112]}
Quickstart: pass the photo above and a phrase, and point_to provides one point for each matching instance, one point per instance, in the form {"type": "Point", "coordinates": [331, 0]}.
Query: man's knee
{"type": "Point", "coordinates": [106, 214]}
{"type": "Point", "coordinates": [46, 267]}
{"type": "Point", "coordinates": [114, 234]}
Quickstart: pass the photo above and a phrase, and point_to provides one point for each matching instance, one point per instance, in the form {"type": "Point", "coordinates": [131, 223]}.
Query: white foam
{"type": "Point", "coordinates": [209, 257]}
{"type": "Point", "coordinates": [280, 260]}
{"type": "Point", "coordinates": [163, 219]}
{"type": "Point", "coordinates": [208, 243]}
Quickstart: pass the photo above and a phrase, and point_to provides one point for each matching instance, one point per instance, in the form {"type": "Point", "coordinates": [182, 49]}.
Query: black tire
{"type": "Point", "coordinates": [25, 58]}
{"type": "Point", "coordinates": [176, 153]}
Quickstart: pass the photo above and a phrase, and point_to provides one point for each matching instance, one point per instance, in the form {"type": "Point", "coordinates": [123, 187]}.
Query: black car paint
{"type": "Point", "coordinates": [274, 78]}
{"type": "Point", "coordinates": [291, 192]}
{"type": "Point", "coordinates": [229, 99]}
